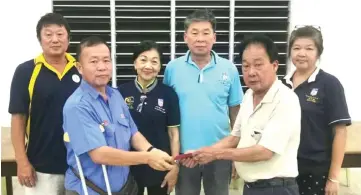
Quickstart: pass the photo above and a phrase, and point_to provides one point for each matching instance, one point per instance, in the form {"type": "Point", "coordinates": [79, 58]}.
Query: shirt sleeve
{"type": "Point", "coordinates": [19, 94]}
{"type": "Point", "coordinates": [336, 105]}
{"type": "Point", "coordinates": [237, 126]}
{"type": "Point", "coordinates": [85, 133]}
{"type": "Point", "coordinates": [284, 123]}
{"type": "Point", "coordinates": [173, 113]}
{"type": "Point", "coordinates": [166, 78]}
{"type": "Point", "coordinates": [235, 92]}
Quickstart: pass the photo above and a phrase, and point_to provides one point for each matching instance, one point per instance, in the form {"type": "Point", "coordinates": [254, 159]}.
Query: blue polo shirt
{"type": "Point", "coordinates": [91, 122]}
{"type": "Point", "coordinates": [204, 97]}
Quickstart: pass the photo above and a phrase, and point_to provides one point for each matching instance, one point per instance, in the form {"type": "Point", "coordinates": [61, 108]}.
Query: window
{"type": "Point", "coordinates": [141, 20]}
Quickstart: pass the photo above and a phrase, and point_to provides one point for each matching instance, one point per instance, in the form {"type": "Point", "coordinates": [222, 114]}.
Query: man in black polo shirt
{"type": "Point", "coordinates": [39, 90]}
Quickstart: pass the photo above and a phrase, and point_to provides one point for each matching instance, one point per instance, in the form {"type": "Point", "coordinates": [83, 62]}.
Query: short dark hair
{"type": "Point", "coordinates": [89, 42]}
{"type": "Point", "coordinates": [200, 15]}
{"type": "Point", "coordinates": [49, 19]}
{"type": "Point", "coordinates": [263, 40]}
{"type": "Point", "coordinates": [146, 45]}
{"type": "Point", "coordinates": [307, 32]}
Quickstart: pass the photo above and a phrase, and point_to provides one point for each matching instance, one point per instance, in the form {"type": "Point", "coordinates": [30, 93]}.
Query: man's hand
{"type": "Point", "coordinates": [171, 179]}
{"type": "Point", "coordinates": [26, 174]}
{"type": "Point", "coordinates": [205, 155]}
{"type": "Point", "coordinates": [189, 162]}
{"type": "Point", "coordinates": [234, 172]}
{"type": "Point", "coordinates": [160, 160]}
{"type": "Point", "coordinates": [331, 188]}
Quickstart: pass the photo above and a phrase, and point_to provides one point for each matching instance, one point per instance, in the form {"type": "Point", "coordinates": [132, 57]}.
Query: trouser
{"type": "Point", "coordinates": [47, 184]}
{"type": "Point", "coordinates": [153, 190]}
{"type": "Point", "coordinates": [216, 179]}
{"type": "Point", "coordinates": [275, 186]}
{"type": "Point", "coordinates": [311, 184]}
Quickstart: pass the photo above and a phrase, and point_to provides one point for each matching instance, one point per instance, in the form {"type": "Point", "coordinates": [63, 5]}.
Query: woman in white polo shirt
{"type": "Point", "coordinates": [324, 114]}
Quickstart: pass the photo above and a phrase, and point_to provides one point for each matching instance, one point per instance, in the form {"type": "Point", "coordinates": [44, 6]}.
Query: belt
{"type": "Point", "coordinates": [277, 181]}
{"type": "Point", "coordinates": [130, 187]}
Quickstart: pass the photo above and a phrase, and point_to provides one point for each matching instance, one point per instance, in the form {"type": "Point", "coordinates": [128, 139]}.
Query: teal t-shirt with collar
{"type": "Point", "coordinates": [204, 97]}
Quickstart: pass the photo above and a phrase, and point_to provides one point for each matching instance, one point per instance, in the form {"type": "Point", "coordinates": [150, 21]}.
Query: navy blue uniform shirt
{"type": "Point", "coordinates": [153, 109]}
{"type": "Point", "coordinates": [39, 91]}
{"type": "Point", "coordinates": [323, 105]}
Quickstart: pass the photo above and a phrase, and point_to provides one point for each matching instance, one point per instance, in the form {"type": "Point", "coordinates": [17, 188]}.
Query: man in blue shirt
{"type": "Point", "coordinates": [209, 91]}
{"type": "Point", "coordinates": [100, 131]}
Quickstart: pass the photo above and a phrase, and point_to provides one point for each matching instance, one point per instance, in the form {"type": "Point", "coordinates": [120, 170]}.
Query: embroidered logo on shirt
{"type": "Point", "coordinates": [160, 102]}
{"type": "Point", "coordinates": [129, 101]}
{"type": "Point", "coordinates": [160, 107]}
{"type": "Point", "coordinates": [122, 115]}
{"type": "Point", "coordinates": [312, 97]}
{"type": "Point", "coordinates": [314, 91]}
{"type": "Point", "coordinates": [224, 78]}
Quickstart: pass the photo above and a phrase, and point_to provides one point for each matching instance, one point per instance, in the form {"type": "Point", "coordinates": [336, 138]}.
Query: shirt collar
{"type": "Point", "coordinates": [312, 78]}
{"type": "Point", "coordinates": [92, 91]}
{"type": "Point", "coordinates": [214, 58]}
{"type": "Point", "coordinates": [70, 64]}
{"type": "Point", "coordinates": [271, 93]}
{"type": "Point", "coordinates": [41, 59]}
{"type": "Point", "coordinates": [148, 88]}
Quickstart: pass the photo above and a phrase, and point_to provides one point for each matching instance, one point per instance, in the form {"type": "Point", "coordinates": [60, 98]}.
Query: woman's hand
{"type": "Point", "coordinates": [171, 179]}
{"type": "Point", "coordinates": [331, 188]}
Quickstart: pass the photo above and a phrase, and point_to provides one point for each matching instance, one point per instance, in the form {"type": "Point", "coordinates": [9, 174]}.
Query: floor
{"type": "Point", "coordinates": [352, 186]}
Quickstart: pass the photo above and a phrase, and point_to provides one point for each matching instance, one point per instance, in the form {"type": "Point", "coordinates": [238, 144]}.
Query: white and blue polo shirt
{"type": "Point", "coordinates": [204, 97]}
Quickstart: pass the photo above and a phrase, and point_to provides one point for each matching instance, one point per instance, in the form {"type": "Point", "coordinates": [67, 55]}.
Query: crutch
{"type": "Point", "coordinates": [82, 178]}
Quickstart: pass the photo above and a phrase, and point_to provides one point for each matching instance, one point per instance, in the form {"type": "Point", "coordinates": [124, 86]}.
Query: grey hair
{"type": "Point", "coordinates": [201, 15]}
{"type": "Point", "coordinates": [307, 32]}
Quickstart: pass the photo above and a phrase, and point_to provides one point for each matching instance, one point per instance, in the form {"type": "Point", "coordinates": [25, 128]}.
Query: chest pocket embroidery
{"type": "Point", "coordinates": [224, 81]}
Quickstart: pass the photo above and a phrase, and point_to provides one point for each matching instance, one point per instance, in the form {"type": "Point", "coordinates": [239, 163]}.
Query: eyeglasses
{"type": "Point", "coordinates": [313, 26]}
{"type": "Point", "coordinates": [142, 100]}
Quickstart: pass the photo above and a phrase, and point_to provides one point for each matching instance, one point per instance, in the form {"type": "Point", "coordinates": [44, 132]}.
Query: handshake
{"type": "Point", "coordinates": [161, 161]}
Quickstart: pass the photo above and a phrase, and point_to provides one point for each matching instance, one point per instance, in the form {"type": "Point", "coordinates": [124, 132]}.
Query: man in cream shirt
{"type": "Point", "coordinates": [266, 134]}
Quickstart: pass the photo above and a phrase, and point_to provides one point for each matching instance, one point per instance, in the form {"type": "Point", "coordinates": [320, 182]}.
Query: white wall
{"type": "Point", "coordinates": [339, 22]}
{"type": "Point", "coordinates": [336, 18]}
{"type": "Point", "coordinates": [19, 43]}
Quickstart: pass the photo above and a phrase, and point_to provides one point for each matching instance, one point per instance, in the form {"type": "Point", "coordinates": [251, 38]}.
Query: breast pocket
{"type": "Point", "coordinates": [122, 133]}
{"type": "Point", "coordinates": [257, 134]}
{"type": "Point", "coordinates": [109, 134]}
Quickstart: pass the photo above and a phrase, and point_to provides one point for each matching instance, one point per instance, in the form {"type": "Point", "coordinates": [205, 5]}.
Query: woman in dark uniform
{"type": "Point", "coordinates": [155, 110]}
{"type": "Point", "coordinates": [324, 115]}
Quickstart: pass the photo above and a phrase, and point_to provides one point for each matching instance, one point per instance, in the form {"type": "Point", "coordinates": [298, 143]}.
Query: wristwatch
{"type": "Point", "coordinates": [150, 148]}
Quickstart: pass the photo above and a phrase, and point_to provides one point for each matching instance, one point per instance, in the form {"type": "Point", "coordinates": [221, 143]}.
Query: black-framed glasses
{"type": "Point", "coordinates": [313, 26]}
{"type": "Point", "coordinates": [140, 105]}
